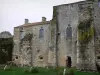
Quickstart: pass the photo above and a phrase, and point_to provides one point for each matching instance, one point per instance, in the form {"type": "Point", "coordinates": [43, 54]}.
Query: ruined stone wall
{"type": "Point", "coordinates": [40, 46]}
{"type": "Point", "coordinates": [85, 50]}
{"type": "Point", "coordinates": [67, 15]}
{"type": "Point", "coordinates": [74, 14]}
{"type": "Point", "coordinates": [16, 41]}
{"type": "Point", "coordinates": [52, 45]}
{"type": "Point", "coordinates": [20, 47]}
{"type": "Point", "coordinates": [96, 16]}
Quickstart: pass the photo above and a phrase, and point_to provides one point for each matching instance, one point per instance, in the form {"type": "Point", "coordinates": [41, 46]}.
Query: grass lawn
{"type": "Point", "coordinates": [86, 73]}
{"type": "Point", "coordinates": [42, 71]}
{"type": "Point", "coordinates": [21, 71]}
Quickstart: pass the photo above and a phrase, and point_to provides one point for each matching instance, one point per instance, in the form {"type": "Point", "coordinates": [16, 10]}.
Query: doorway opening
{"type": "Point", "coordinates": [68, 61]}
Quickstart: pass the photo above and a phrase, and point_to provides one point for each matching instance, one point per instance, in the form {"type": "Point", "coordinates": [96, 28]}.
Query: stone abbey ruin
{"type": "Point", "coordinates": [73, 35]}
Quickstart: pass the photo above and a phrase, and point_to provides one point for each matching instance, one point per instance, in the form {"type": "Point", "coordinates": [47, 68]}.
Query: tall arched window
{"type": "Point", "coordinates": [41, 33]}
{"type": "Point", "coordinates": [69, 31]}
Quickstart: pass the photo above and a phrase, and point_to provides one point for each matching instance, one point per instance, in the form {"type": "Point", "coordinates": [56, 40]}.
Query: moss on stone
{"type": "Point", "coordinates": [54, 16]}
{"type": "Point", "coordinates": [86, 36]}
{"type": "Point", "coordinates": [53, 22]}
{"type": "Point", "coordinates": [85, 28]}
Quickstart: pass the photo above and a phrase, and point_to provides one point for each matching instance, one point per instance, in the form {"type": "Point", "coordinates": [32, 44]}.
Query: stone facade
{"type": "Point", "coordinates": [30, 45]}
{"type": "Point", "coordinates": [53, 41]}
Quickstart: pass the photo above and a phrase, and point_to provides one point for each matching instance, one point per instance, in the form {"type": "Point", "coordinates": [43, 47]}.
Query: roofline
{"type": "Point", "coordinates": [32, 24]}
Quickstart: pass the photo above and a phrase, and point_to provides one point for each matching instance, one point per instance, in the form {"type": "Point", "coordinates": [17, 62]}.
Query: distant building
{"type": "Point", "coordinates": [73, 34]}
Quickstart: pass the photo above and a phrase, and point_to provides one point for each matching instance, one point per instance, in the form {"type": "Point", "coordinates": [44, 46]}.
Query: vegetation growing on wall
{"type": "Point", "coordinates": [85, 29]}
{"type": "Point", "coordinates": [54, 15]}
{"type": "Point", "coordinates": [85, 32]}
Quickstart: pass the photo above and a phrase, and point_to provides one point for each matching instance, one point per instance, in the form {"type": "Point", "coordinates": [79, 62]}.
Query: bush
{"type": "Point", "coordinates": [70, 72]}
{"type": "Point", "coordinates": [34, 70]}
{"type": "Point", "coordinates": [26, 71]}
{"type": "Point", "coordinates": [60, 73]}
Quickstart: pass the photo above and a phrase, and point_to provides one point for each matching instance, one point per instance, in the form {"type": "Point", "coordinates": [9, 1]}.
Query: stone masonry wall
{"type": "Point", "coordinates": [67, 15]}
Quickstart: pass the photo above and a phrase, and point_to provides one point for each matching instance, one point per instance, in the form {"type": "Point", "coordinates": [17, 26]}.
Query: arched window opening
{"type": "Point", "coordinates": [69, 31]}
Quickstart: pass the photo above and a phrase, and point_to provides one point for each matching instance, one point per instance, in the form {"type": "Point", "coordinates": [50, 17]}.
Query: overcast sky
{"type": "Point", "coordinates": [13, 12]}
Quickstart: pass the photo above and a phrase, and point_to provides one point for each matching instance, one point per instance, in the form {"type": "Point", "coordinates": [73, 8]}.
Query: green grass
{"type": "Point", "coordinates": [42, 71]}
{"type": "Point", "coordinates": [86, 73]}
{"type": "Point", "coordinates": [20, 71]}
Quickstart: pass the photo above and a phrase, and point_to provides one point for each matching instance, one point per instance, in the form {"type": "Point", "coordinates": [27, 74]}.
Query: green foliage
{"type": "Point", "coordinates": [86, 36]}
{"type": "Point", "coordinates": [85, 29]}
{"type": "Point", "coordinates": [7, 45]}
{"type": "Point", "coordinates": [70, 71]}
{"type": "Point", "coordinates": [60, 73]}
{"type": "Point", "coordinates": [33, 70]}
{"type": "Point", "coordinates": [84, 24]}
{"type": "Point", "coordinates": [42, 71]}
{"type": "Point", "coordinates": [59, 70]}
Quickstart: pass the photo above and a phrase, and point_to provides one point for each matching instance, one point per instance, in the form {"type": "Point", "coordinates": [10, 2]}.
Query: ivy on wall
{"type": "Point", "coordinates": [85, 29]}
{"type": "Point", "coordinates": [85, 34]}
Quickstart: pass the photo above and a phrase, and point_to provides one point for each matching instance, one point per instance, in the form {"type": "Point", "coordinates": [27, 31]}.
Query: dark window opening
{"type": "Point", "coordinates": [69, 31]}
{"type": "Point", "coordinates": [41, 33]}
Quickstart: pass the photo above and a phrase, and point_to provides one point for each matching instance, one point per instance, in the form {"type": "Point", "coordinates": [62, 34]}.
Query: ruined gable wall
{"type": "Point", "coordinates": [85, 51]}
{"type": "Point", "coordinates": [67, 15]}
{"type": "Point", "coordinates": [19, 33]}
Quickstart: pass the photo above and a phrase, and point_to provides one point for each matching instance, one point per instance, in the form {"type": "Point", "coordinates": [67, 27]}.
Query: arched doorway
{"type": "Point", "coordinates": [68, 61]}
